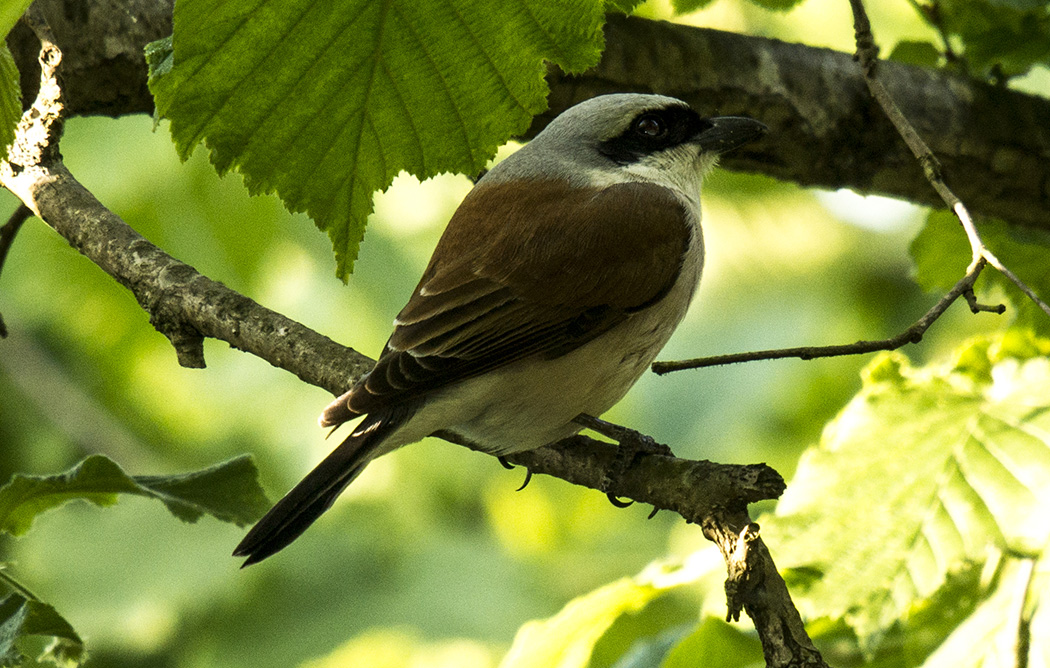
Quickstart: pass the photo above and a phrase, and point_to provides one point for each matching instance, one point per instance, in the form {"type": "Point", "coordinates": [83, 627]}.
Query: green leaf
{"type": "Point", "coordinates": [10, 83]}
{"type": "Point", "coordinates": [159, 58]}
{"type": "Point", "coordinates": [941, 254]}
{"type": "Point", "coordinates": [567, 639]}
{"type": "Point", "coordinates": [989, 636]}
{"type": "Point", "coordinates": [228, 491]}
{"type": "Point", "coordinates": [325, 103]}
{"type": "Point", "coordinates": [687, 6]}
{"type": "Point", "coordinates": [10, 97]}
{"type": "Point", "coordinates": [716, 644]}
{"type": "Point", "coordinates": [916, 52]}
{"type": "Point", "coordinates": [10, 12]}
{"type": "Point", "coordinates": [650, 652]}
{"type": "Point", "coordinates": [21, 617]}
{"type": "Point", "coordinates": [624, 6]}
{"type": "Point", "coordinates": [921, 475]}
{"type": "Point", "coordinates": [777, 5]}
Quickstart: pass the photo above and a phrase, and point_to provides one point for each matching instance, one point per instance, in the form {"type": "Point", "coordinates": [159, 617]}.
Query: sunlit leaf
{"type": "Point", "coordinates": [404, 648]}
{"type": "Point", "coordinates": [928, 624]}
{"type": "Point", "coordinates": [228, 491]}
{"type": "Point", "coordinates": [922, 474]}
{"type": "Point", "coordinates": [989, 636]}
{"type": "Point", "coordinates": [326, 102]}
{"type": "Point", "coordinates": [567, 639]}
{"type": "Point", "coordinates": [21, 617]}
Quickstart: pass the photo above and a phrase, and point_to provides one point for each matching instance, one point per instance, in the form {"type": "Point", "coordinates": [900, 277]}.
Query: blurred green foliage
{"type": "Point", "coordinates": [999, 38]}
{"type": "Point", "coordinates": [431, 559]}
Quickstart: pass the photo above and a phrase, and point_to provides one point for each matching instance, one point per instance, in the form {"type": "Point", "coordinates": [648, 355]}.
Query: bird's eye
{"type": "Point", "coordinates": [649, 126]}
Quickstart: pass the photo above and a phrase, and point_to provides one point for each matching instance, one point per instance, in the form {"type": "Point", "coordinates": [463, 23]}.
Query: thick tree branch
{"type": "Point", "coordinates": [829, 132]}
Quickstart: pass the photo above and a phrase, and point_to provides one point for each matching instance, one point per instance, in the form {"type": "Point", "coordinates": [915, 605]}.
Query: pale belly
{"type": "Point", "coordinates": [533, 402]}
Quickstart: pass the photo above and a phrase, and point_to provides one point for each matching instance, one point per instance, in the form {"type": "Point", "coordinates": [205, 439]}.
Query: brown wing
{"type": "Point", "coordinates": [545, 291]}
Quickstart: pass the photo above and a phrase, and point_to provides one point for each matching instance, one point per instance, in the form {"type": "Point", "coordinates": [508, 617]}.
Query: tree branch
{"type": "Point", "coordinates": [755, 586]}
{"type": "Point", "coordinates": [867, 56]}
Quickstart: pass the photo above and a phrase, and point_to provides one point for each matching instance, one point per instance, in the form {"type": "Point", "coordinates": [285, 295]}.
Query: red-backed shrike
{"type": "Point", "coordinates": [558, 280]}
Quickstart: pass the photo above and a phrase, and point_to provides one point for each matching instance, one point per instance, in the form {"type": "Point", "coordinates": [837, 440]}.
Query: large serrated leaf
{"type": "Point", "coordinates": [228, 491]}
{"type": "Point", "coordinates": [326, 102]}
{"type": "Point", "coordinates": [922, 473]}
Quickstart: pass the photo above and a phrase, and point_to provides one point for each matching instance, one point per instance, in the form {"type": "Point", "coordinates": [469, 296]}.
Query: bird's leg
{"type": "Point", "coordinates": [631, 444]}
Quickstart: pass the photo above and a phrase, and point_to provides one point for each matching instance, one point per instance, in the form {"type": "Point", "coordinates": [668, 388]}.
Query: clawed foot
{"type": "Point", "coordinates": [631, 444]}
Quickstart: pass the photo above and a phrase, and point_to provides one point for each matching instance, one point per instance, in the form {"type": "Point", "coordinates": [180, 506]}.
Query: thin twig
{"type": "Point", "coordinates": [7, 237]}
{"type": "Point", "coordinates": [913, 334]}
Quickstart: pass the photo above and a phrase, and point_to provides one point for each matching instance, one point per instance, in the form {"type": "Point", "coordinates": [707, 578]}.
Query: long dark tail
{"type": "Point", "coordinates": [291, 516]}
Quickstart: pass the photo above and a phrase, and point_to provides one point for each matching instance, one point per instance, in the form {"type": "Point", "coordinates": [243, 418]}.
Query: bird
{"type": "Point", "coordinates": [556, 282]}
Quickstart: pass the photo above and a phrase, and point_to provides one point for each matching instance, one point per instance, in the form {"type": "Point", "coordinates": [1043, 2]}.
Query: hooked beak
{"type": "Point", "coordinates": [729, 132]}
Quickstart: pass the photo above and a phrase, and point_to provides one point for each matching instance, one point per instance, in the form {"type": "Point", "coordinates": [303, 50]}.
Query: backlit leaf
{"type": "Point", "coordinates": [326, 102]}
{"type": "Point", "coordinates": [924, 473]}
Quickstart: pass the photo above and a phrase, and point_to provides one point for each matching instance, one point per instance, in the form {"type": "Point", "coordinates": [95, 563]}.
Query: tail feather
{"type": "Point", "coordinates": [308, 500]}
